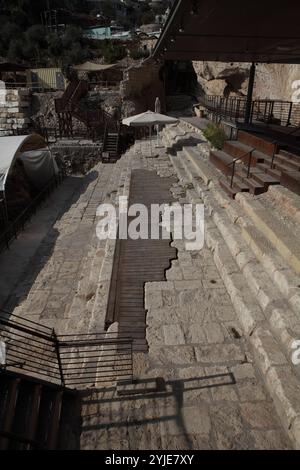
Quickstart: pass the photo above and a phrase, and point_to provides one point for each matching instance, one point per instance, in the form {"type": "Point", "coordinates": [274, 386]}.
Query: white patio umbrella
{"type": "Point", "coordinates": [148, 119]}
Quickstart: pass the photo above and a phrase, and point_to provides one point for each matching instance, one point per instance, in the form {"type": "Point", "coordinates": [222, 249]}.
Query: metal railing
{"type": "Point", "coordinates": [220, 107]}
{"type": "Point", "coordinates": [30, 348]}
{"type": "Point", "coordinates": [250, 154]}
{"type": "Point", "coordinates": [68, 107]}
{"type": "Point", "coordinates": [94, 359]}
{"type": "Point", "coordinates": [11, 230]}
{"type": "Point", "coordinates": [234, 161]}
{"type": "Point", "coordinates": [73, 361]}
{"type": "Point", "coordinates": [39, 87]}
{"type": "Point", "coordinates": [283, 113]}
{"type": "Point", "coordinates": [104, 84]}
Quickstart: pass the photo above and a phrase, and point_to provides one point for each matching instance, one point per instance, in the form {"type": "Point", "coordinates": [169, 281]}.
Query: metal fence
{"type": "Point", "coordinates": [232, 109]}
{"type": "Point", "coordinates": [283, 113]}
{"type": "Point", "coordinates": [38, 87]}
{"type": "Point", "coordinates": [73, 361]}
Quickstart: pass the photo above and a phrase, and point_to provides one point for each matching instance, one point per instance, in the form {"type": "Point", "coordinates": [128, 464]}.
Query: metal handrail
{"type": "Point", "coordinates": [233, 162]}
{"type": "Point", "coordinates": [73, 362]}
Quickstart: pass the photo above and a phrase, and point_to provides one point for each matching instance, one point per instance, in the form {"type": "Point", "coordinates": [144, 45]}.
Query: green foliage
{"type": "Point", "coordinates": [215, 135]}
{"type": "Point", "coordinates": [24, 38]}
{"type": "Point", "coordinates": [113, 52]}
{"type": "Point", "coordinates": [148, 17]}
{"type": "Point", "coordinates": [139, 54]}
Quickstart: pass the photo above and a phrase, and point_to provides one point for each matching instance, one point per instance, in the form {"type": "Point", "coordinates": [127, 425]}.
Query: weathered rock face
{"type": "Point", "coordinates": [273, 81]}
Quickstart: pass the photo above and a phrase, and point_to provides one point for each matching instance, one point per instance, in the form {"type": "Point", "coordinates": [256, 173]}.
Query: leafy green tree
{"type": "Point", "coordinates": [113, 52]}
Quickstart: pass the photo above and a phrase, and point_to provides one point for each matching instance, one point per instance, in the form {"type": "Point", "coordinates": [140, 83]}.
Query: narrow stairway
{"type": "Point", "coordinates": [34, 414]}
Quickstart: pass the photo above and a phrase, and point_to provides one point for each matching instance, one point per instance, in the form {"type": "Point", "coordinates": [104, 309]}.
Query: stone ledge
{"type": "Point", "coordinates": [286, 201]}
{"type": "Point", "coordinates": [267, 351]}
{"type": "Point", "coordinates": [273, 229]}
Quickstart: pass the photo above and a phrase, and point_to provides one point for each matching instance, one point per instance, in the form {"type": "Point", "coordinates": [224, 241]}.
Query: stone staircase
{"type": "Point", "coordinates": [111, 153]}
{"type": "Point", "coordinates": [34, 414]}
{"type": "Point", "coordinates": [269, 165]}
{"type": "Point", "coordinates": [255, 243]}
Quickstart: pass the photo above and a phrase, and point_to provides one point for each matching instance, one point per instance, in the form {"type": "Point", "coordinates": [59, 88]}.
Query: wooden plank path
{"type": "Point", "coordinates": [139, 261]}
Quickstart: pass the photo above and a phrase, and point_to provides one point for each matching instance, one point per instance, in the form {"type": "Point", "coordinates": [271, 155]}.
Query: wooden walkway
{"type": "Point", "coordinates": [139, 261]}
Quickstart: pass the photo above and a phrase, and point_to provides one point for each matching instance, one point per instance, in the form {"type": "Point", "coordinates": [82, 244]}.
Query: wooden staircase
{"type": "Point", "coordinates": [34, 414]}
{"type": "Point", "coordinates": [251, 164]}
{"type": "Point", "coordinates": [68, 107]}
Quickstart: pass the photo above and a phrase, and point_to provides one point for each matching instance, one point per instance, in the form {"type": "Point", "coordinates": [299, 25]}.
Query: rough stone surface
{"type": "Point", "coordinates": [198, 349]}
{"type": "Point", "coordinates": [210, 383]}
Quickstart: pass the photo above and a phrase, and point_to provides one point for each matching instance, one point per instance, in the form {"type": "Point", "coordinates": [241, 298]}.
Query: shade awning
{"type": "Point", "coordinates": [231, 31]}
{"type": "Point", "coordinates": [149, 118]}
{"type": "Point", "coordinates": [92, 67]}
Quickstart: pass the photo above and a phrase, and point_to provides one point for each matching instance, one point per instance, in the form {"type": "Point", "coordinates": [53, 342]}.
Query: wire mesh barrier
{"type": "Point", "coordinates": [11, 230]}
{"type": "Point", "coordinates": [283, 113]}
{"type": "Point", "coordinates": [72, 361]}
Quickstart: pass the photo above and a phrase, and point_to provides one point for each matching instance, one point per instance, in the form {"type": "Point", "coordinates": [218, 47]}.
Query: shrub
{"type": "Point", "coordinates": [139, 54]}
{"type": "Point", "coordinates": [215, 135]}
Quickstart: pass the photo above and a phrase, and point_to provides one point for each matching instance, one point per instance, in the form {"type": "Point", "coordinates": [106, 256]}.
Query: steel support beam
{"type": "Point", "coordinates": [250, 94]}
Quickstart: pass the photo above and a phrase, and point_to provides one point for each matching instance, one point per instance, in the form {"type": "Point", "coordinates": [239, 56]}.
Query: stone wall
{"type": "Point", "coordinates": [14, 110]}
{"type": "Point", "coordinates": [140, 87]}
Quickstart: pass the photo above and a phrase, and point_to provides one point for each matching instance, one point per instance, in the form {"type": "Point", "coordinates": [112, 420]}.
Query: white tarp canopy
{"type": "Point", "coordinates": [39, 164]}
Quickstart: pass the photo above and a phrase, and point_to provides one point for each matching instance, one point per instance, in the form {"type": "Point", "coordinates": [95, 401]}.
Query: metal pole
{"type": "Point", "coordinates": [289, 115]}
{"type": "Point", "coordinates": [250, 93]}
{"type": "Point", "coordinates": [59, 363]}
{"type": "Point", "coordinates": [150, 133]}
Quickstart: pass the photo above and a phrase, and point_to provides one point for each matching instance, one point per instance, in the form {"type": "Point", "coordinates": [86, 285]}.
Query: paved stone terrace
{"type": "Point", "coordinates": [53, 268]}
{"type": "Point", "coordinates": [214, 397]}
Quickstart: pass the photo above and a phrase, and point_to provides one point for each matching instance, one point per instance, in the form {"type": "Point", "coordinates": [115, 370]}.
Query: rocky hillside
{"type": "Point", "coordinates": [273, 81]}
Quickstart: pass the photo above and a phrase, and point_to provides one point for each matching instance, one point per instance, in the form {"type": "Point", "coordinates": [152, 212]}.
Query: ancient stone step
{"type": "Point", "coordinates": [222, 161]}
{"type": "Point", "coordinates": [287, 162]}
{"type": "Point", "coordinates": [281, 274]}
{"type": "Point", "coordinates": [255, 295]}
{"type": "Point", "coordinates": [264, 179]}
{"type": "Point", "coordinates": [293, 157]}
{"type": "Point", "coordinates": [206, 173]}
{"type": "Point", "coordinates": [291, 180]}
{"type": "Point", "coordinates": [286, 201]}
{"type": "Point", "coordinates": [274, 230]}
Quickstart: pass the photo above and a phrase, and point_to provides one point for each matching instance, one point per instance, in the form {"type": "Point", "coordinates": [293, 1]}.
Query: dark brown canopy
{"type": "Point", "coordinates": [10, 67]}
{"type": "Point", "coordinates": [232, 31]}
